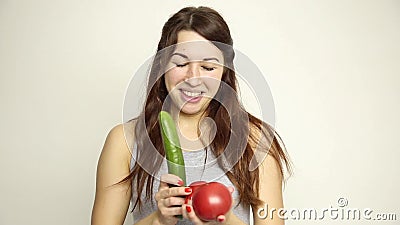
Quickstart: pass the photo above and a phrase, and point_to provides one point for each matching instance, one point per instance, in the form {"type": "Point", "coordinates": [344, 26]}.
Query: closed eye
{"type": "Point", "coordinates": [208, 68]}
{"type": "Point", "coordinates": [181, 65]}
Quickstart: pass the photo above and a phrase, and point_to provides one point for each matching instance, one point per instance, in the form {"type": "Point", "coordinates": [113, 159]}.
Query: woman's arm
{"type": "Point", "coordinates": [112, 201]}
{"type": "Point", "coordinates": [270, 192]}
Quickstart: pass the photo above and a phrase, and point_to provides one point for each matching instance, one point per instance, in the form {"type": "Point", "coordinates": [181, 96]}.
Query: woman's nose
{"type": "Point", "coordinates": [193, 74]}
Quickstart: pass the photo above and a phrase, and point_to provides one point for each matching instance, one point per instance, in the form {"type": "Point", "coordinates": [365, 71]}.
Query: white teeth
{"type": "Point", "coordinates": [191, 94]}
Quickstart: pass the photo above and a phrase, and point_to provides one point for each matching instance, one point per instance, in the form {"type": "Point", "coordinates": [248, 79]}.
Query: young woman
{"type": "Point", "coordinates": [192, 76]}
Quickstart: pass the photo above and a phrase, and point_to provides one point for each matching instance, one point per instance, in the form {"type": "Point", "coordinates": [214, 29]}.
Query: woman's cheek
{"type": "Point", "coordinates": [172, 78]}
{"type": "Point", "coordinates": [212, 85]}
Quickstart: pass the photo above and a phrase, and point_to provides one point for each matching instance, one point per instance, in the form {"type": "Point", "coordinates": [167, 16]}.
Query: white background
{"type": "Point", "coordinates": [333, 68]}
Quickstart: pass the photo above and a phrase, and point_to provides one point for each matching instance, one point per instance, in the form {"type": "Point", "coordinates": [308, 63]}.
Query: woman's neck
{"type": "Point", "coordinates": [189, 131]}
{"type": "Point", "coordinates": [189, 125]}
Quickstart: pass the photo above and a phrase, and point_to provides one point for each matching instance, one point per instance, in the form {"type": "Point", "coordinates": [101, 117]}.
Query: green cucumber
{"type": "Point", "coordinates": [173, 151]}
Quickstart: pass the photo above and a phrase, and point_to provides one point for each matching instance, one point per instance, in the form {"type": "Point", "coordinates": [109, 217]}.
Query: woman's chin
{"type": "Point", "coordinates": [191, 110]}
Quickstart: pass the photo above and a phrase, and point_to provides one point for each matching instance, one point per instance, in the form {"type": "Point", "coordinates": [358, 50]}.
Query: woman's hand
{"type": "Point", "coordinates": [170, 199]}
{"type": "Point", "coordinates": [191, 215]}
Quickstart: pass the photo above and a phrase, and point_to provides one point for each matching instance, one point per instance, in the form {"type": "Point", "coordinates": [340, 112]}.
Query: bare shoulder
{"type": "Point", "coordinates": [267, 153]}
{"type": "Point", "coordinates": [261, 140]}
{"type": "Point", "coordinates": [129, 132]}
{"type": "Point", "coordinates": [118, 143]}
{"type": "Point", "coordinates": [270, 168]}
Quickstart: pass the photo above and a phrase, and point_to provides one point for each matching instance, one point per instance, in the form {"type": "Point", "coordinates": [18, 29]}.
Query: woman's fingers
{"type": "Point", "coordinates": [173, 192]}
{"type": "Point", "coordinates": [171, 196]}
{"type": "Point", "coordinates": [171, 179]}
{"type": "Point", "coordinates": [168, 179]}
{"type": "Point", "coordinates": [174, 201]}
{"type": "Point", "coordinates": [189, 214]}
{"type": "Point", "coordinates": [170, 211]}
{"type": "Point", "coordinates": [165, 191]}
{"type": "Point", "coordinates": [221, 218]}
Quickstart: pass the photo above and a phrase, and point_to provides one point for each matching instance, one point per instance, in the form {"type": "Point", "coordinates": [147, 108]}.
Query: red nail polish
{"type": "Point", "coordinates": [180, 182]}
{"type": "Point", "coordinates": [220, 220]}
{"type": "Point", "coordinates": [188, 190]}
{"type": "Point", "coordinates": [186, 200]}
{"type": "Point", "coordinates": [188, 209]}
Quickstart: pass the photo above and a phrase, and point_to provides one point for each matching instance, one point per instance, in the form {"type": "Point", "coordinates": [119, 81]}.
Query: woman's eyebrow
{"type": "Point", "coordinates": [209, 59]}
{"type": "Point", "coordinates": [186, 57]}
{"type": "Point", "coordinates": [180, 54]}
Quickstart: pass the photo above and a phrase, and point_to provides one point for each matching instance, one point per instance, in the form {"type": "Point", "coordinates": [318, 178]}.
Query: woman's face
{"type": "Point", "coordinates": [194, 72]}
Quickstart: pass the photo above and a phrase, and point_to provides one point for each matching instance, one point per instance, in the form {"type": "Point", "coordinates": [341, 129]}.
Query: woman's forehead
{"type": "Point", "coordinates": [198, 51]}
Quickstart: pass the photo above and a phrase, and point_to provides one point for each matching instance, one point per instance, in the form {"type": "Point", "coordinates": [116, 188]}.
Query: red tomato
{"type": "Point", "coordinates": [194, 186]}
{"type": "Point", "coordinates": [211, 200]}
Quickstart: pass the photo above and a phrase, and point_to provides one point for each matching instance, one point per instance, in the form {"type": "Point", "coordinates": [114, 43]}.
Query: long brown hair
{"type": "Point", "coordinates": [209, 24]}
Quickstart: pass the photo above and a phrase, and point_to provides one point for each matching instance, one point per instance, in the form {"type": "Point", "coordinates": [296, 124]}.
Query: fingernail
{"type": "Point", "coordinates": [220, 220]}
{"type": "Point", "coordinates": [188, 190]}
{"type": "Point", "coordinates": [186, 200]}
{"type": "Point", "coordinates": [180, 182]}
{"type": "Point", "coordinates": [188, 209]}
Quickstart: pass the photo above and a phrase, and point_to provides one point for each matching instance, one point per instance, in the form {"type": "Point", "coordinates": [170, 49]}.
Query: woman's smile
{"type": "Point", "coordinates": [191, 96]}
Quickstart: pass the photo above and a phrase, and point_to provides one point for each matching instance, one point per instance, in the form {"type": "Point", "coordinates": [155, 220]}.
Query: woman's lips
{"type": "Point", "coordinates": [190, 96]}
